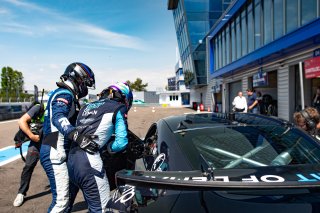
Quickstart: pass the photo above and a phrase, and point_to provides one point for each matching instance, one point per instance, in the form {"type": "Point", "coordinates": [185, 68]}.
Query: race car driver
{"type": "Point", "coordinates": [59, 130]}
{"type": "Point", "coordinates": [103, 118]}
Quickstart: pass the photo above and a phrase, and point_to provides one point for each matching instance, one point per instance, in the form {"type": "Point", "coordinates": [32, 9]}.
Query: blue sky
{"type": "Point", "coordinates": [119, 39]}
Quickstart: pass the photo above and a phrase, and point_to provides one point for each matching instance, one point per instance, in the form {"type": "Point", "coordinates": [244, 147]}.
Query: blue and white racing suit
{"type": "Point", "coordinates": [60, 111]}
{"type": "Point", "coordinates": [102, 118]}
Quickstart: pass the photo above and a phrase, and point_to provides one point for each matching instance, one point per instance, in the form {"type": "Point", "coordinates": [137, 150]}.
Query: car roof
{"type": "Point", "coordinates": [198, 120]}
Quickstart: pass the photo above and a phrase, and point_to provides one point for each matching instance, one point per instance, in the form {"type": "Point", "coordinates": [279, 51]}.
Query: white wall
{"type": "Point", "coordinates": [164, 98]}
{"type": "Point", "coordinates": [138, 96]}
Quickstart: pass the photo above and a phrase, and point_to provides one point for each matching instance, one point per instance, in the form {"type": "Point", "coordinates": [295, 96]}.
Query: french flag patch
{"type": "Point", "coordinates": [62, 100]}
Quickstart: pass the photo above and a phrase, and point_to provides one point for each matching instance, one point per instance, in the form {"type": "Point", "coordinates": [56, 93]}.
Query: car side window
{"type": "Point", "coordinates": [151, 141]}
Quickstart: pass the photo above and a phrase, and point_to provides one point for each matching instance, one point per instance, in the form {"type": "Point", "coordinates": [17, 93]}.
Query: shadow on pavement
{"type": "Point", "coordinates": [80, 206]}
{"type": "Point", "coordinates": [38, 195]}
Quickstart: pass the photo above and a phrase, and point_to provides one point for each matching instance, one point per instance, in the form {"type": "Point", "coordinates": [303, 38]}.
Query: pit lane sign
{"type": "Point", "coordinates": [312, 67]}
{"type": "Point", "coordinates": [260, 79]}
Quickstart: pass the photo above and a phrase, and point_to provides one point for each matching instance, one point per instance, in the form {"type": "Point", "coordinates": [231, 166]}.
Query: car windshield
{"type": "Point", "coordinates": [248, 145]}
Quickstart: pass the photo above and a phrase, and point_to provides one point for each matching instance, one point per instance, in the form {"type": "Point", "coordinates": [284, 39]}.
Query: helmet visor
{"type": "Point", "coordinates": [91, 84]}
{"type": "Point", "coordinates": [105, 93]}
{"type": "Point", "coordinates": [85, 75]}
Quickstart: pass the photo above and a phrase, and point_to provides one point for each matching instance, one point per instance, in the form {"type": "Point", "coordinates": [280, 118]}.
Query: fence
{"type": "Point", "coordinates": [15, 100]}
{"type": "Point", "coordinates": [12, 110]}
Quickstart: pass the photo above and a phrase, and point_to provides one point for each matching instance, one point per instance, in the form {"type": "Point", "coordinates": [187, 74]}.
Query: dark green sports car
{"type": "Point", "coordinates": [211, 162]}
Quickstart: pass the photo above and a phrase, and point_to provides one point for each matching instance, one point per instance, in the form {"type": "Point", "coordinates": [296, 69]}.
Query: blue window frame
{"type": "Point", "coordinates": [291, 15]}
{"type": "Point", "coordinates": [250, 29]}
{"type": "Point", "coordinates": [257, 24]}
{"type": "Point", "coordinates": [267, 18]}
{"type": "Point", "coordinates": [243, 33]}
{"type": "Point", "coordinates": [278, 18]}
{"type": "Point", "coordinates": [308, 11]}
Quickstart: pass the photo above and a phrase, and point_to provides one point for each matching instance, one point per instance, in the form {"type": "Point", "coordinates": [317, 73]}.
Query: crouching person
{"type": "Point", "coordinates": [101, 118]}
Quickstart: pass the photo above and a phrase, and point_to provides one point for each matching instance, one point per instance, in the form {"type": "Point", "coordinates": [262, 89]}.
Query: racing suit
{"type": "Point", "coordinates": [32, 157]}
{"type": "Point", "coordinates": [59, 121]}
{"type": "Point", "coordinates": [102, 118]}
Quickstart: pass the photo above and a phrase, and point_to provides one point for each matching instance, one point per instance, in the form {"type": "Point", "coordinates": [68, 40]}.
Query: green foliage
{"type": "Point", "coordinates": [137, 85]}
{"type": "Point", "coordinates": [12, 84]}
{"type": "Point", "coordinates": [188, 77]}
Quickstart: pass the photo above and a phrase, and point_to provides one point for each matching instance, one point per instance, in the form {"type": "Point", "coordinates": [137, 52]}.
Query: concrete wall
{"type": "Point", "coordinates": [138, 96]}
{"type": "Point", "coordinates": [151, 97]}
{"type": "Point", "coordinates": [10, 116]}
{"type": "Point", "coordinates": [12, 110]}
{"type": "Point", "coordinates": [148, 96]}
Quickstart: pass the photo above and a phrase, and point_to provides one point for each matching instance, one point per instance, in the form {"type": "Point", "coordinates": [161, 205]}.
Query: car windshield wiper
{"type": "Point", "coordinates": [206, 167]}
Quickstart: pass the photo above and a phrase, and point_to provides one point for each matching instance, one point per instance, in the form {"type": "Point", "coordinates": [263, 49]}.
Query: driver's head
{"type": "Point", "coordinates": [119, 92]}
{"type": "Point", "coordinates": [81, 78]}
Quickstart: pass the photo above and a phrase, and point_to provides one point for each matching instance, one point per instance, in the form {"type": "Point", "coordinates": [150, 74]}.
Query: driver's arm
{"type": "Point", "coordinates": [24, 125]}
{"type": "Point", "coordinates": [121, 132]}
{"type": "Point", "coordinates": [61, 107]}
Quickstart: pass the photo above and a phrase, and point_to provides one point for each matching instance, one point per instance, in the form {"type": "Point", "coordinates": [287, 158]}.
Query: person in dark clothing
{"type": "Point", "coordinates": [260, 104]}
{"type": "Point", "coordinates": [316, 100]}
{"type": "Point", "coordinates": [308, 119]}
{"type": "Point", "coordinates": [34, 117]}
{"type": "Point", "coordinates": [252, 101]}
{"type": "Point", "coordinates": [103, 118]}
{"type": "Point", "coordinates": [59, 131]}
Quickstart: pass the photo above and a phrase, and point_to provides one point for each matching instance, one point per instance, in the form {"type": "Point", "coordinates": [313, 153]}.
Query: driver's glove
{"type": "Point", "coordinates": [85, 142]}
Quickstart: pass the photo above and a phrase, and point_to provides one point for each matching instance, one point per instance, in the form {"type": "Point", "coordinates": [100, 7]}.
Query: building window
{"type": "Point", "coordinates": [173, 97]}
{"type": "Point", "coordinates": [308, 11]}
{"type": "Point", "coordinates": [238, 37]}
{"type": "Point", "coordinates": [257, 24]}
{"type": "Point", "coordinates": [244, 32]}
{"type": "Point", "coordinates": [233, 42]}
{"type": "Point", "coordinates": [267, 30]}
{"type": "Point", "coordinates": [215, 54]}
{"type": "Point", "coordinates": [278, 18]}
{"type": "Point", "coordinates": [250, 29]}
{"type": "Point", "coordinates": [220, 51]}
{"type": "Point", "coordinates": [227, 45]}
{"type": "Point", "coordinates": [291, 15]}
{"type": "Point", "coordinates": [223, 49]}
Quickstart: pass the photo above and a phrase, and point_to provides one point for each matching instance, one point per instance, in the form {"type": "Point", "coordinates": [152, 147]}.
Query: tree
{"type": "Point", "coordinates": [137, 86]}
{"type": "Point", "coordinates": [188, 77]}
{"type": "Point", "coordinates": [12, 84]}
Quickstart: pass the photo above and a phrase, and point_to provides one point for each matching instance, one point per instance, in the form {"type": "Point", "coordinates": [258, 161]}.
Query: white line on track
{"type": "Point", "coordinates": [10, 121]}
{"type": "Point", "coordinates": [7, 147]}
